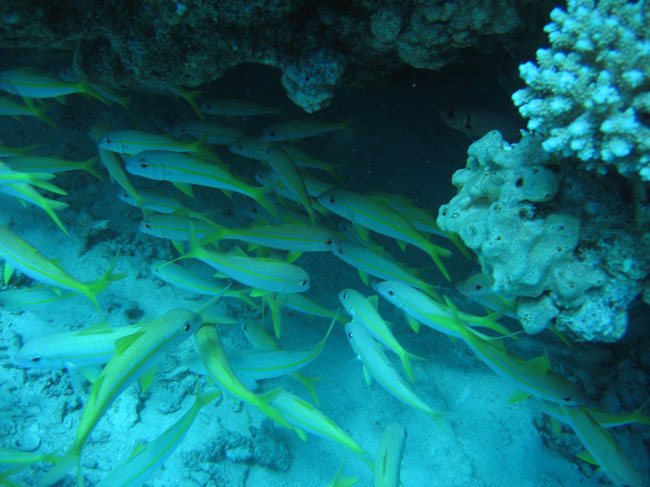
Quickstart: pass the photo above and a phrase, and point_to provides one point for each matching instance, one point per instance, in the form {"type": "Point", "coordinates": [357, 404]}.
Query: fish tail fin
{"type": "Point", "coordinates": [41, 114]}
{"type": "Point", "coordinates": [435, 252]}
{"type": "Point", "coordinates": [460, 245]}
{"type": "Point", "coordinates": [88, 164]}
{"type": "Point", "coordinates": [263, 403]}
{"type": "Point", "coordinates": [443, 422]}
{"type": "Point", "coordinates": [49, 206]}
{"type": "Point", "coordinates": [261, 196]}
{"type": "Point", "coordinates": [96, 287]}
{"type": "Point", "coordinates": [190, 97]}
{"type": "Point", "coordinates": [347, 124]}
{"type": "Point", "coordinates": [308, 383]}
{"type": "Point", "coordinates": [62, 466]}
{"type": "Point", "coordinates": [406, 358]}
{"type": "Point", "coordinates": [90, 91]}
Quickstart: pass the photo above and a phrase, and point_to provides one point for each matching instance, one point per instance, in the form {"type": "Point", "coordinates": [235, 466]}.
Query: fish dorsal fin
{"type": "Point", "coordinates": [146, 380]}
{"type": "Point", "coordinates": [185, 189]}
{"type": "Point", "coordinates": [541, 363]}
{"type": "Point", "coordinates": [96, 329]}
{"type": "Point", "coordinates": [373, 300]}
{"type": "Point", "coordinates": [122, 343]}
{"type": "Point", "coordinates": [307, 405]}
{"type": "Point", "coordinates": [401, 244]}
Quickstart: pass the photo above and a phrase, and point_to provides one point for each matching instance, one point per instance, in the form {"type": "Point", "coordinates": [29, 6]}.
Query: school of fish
{"type": "Point", "coordinates": [298, 207]}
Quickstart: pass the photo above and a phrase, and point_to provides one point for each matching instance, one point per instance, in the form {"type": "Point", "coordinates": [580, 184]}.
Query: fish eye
{"type": "Point", "coordinates": [450, 113]}
{"type": "Point", "coordinates": [478, 287]}
{"type": "Point", "coordinates": [303, 282]}
{"type": "Point", "coordinates": [391, 292]}
{"type": "Point", "coordinates": [345, 295]}
{"type": "Point", "coordinates": [36, 359]}
{"type": "Point", "coordinates": [332, 200]}
{"type": "Point", "coordinates": [349, 334]}
{"type": "Point", "coordinates": [340, 251]}
{"type": "Point", "coordinates": [567, 399]}
{"type": "Point", "coordinates": [329, 242]}
{"type": "Point", "coordinates": [144, 165]}
{"type": "Point", "coordinates": [187, 326]}
{"type": "Point", "coordinates": [240, 146]}
{"type": "Point", "coordinates": [272, 134]}
{"type": "Point", "coordinates": [108, 141]}
{"type": "Point", "coordinates": [147, 225]}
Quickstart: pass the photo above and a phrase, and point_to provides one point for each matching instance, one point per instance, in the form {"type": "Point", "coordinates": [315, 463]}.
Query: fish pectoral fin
{"type": "Point", "coordinates": [146, 380]}
{"type": "Point", "coordinates": [8, 272]}
{"type": "Point", "coordinates": [91, 373]}
{"type": "Point", "coordinates": [373, 300]}
{"type": "Point", "coordinates": [518, 396]}
{"type": "Point", "coordinates": [364, 277]}
{"type": "Point", "coordinates": [301, 433]}
{"type": "Point", "coordinates": [366, 375]}
{"type": "Point", "coordinates": [586, 456]}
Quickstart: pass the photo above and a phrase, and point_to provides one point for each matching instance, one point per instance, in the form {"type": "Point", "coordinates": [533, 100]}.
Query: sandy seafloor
{"type": "Point", "coordinates": [401, 146]}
